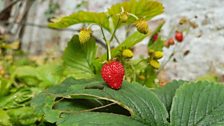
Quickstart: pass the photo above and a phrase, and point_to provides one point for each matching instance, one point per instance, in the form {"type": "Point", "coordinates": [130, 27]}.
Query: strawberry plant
{"type": "Point", "coordinates": [80, 55]}
{"type": "Point", "coordinates": [94, 91]}
{"type": "Point", "coordinates": [85, 87]}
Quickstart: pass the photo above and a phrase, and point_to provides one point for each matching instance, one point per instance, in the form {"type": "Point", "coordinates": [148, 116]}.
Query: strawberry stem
{"type": "Point", "coordinates": [113, 34]}
{"type": "Point", "coordinates": [89, 26]}
{"type": "Point", "coordinates": [107, 44]}
{"type": "Point", "coordinates": [111, 38]}
{"type": "Point", "coordinates": [108, 50]}
{"type": "Point", "coordinates": [133, 15]}
{"type": "Point", "coordinates": [104, 37]}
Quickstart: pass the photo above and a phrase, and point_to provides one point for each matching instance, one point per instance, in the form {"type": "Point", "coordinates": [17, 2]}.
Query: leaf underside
{"type": "Point", "coordinates": [81, 17]}
{"type": "Point", "coordinates": [141, 8]}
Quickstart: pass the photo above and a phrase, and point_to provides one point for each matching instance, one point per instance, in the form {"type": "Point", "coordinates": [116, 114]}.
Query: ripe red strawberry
{"type": "Point", "coordinates": [170, 41]}
{"type": "Point", "coordinates": [155, 37]}
{"type": "Point", "coordinates": [179, 36]}
{"type": "Point", "coordinates": [112, 73]}
{"type": "Point", "coordinates": [166, 44]}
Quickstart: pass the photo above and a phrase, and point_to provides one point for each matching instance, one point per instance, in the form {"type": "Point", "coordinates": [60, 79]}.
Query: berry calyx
{"type": "Point", "coordinates": [84, 35]}
{"type": "Point", "coordinates": [124, 17]}
{"type": "Point", "coordinates": [179, 36]}
{"type": "Point", "coordinates": [142, 26]}
{"type": "Point", "coordinates": [127, 53]}
{"type": "Point", "coordinates": [112, 73]}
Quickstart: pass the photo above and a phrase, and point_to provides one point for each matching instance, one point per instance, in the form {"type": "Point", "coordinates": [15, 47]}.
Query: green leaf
{"type": "Point", "coordinates": [81, 17]}
{"type": "Point", "coordinates": [143, 105]}
{"type": "Point", "coordinates": [51, 115]}
{"type": "Point", "coordinates": [69, 105]}
{"type": "Point", "coordinates": [25, 71]}
{"type": "Point", "coordinates": [96, 119]}
{"type": "Point", "coordinates": [79, 57]}
{"type": "Point", "coordinates": [198, 104]}
{"type": "Point", "coordinates": [24, 116]}
{"type": "Point", "coordinates": [150, 76]}
{"type": "Point", "coordinates": [210, 76]}
{"type": "Point", "coordinates": [5, 85]}
{"type": "Point", "coordinates": [128, 43]}
{"type": "Point", "coordinates": [141, 8]}
{"type": "Point", "coordinates": [159, 43]}
{"type": "Point", "coordinates": [17, 99]}
{"type": "Point", "coordinates": [27, 75]}
{"type": "Point", "coordinates": [44, 103]}
{"type": "Point", "coordinates": [4, 118]}
{"type": "Point", "coordinates": [48, 74]}
{"type": "Point", "coordinates": [167, 92]}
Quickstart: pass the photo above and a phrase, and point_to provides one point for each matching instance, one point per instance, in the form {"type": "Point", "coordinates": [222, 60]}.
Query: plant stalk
{"type": "Point", "coordinates": [104, 37]}
{"type": "Point", "coordinates": [133, 15]}
{"type": "Point", "coordinates": [114, 32]}
{"type": "Point", "coordinates": [108, 51]}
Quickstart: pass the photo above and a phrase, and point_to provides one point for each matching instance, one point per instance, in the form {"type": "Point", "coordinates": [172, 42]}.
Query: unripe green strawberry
{"type": "Point", "coordinates": [112, 73]}
{"type": "Point", "coordinates": [84, 35]}
{"type": "Point", "coordinates": [141, 77]}
{"type": "Point", "coordinates": [158, 54]}
{"type": "Point", "coordinates": [150, 51]}
{"type": "Point", "coordinates": [127, 53]}
{"type": "Point", "coordinates": [2, 71]}
{"type": "Point", "coordinates": [142, 26]}
{"type": "Point", "coordinates": [154, 63]}
{"type": "Point", "coordinates": [124, 17]}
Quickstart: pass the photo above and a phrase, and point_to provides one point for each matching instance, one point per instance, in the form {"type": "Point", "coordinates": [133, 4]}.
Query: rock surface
{"type": "Point", "coordinates": [205, 43]}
